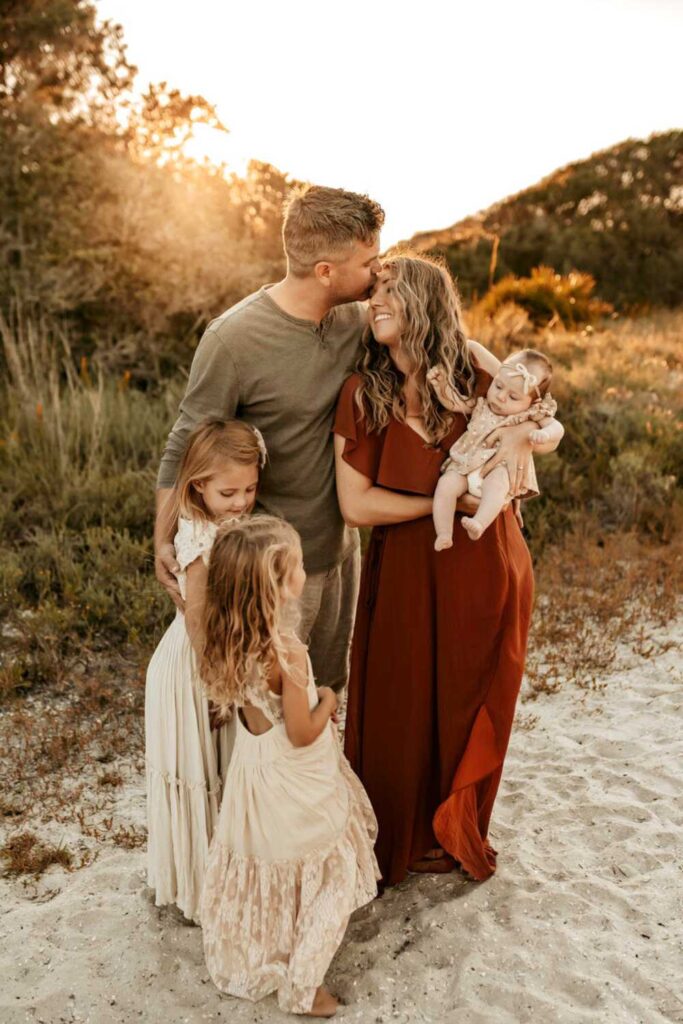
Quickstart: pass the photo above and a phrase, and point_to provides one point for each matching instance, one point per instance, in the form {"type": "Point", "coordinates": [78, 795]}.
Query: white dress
{"type": "Point", "coordinates": [184, 758]}
{"type": "Point", "coordinates": [291, 859]}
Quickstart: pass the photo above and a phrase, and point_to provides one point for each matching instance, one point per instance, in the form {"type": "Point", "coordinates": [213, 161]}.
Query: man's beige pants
{"type": "Point", "coordinates": [328, 610]}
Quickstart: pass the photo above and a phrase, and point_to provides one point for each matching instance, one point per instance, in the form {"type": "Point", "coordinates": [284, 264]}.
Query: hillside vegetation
{"type": "Point", "coordinates": [617, 216]}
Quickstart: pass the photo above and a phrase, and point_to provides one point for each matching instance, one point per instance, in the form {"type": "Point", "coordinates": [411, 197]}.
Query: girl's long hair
{"type": "Point", "coordinates": [246, 624]}
{"type": "Point", "coordinates": [213, 440]}
{"type": "Point", "coordinates": [432, 335]}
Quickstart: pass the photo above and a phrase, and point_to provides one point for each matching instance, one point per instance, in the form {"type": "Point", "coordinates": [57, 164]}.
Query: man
{"type": "Point", "coordinates": [278, 359]}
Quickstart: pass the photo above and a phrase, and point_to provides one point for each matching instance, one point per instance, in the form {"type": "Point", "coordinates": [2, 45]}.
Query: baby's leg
{"type": "Point", "coordinates": [494, 492]}
{"type": "Point", "coordinates": [450, 487]}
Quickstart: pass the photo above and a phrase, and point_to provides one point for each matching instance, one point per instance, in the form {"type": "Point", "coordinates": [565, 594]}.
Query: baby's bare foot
{"type": "Point", "coordinates": [324, 1004]}
{"type": "Point", "coordinates": [473, 528]}
{"type": "Point", "coordinates": [442, 542]}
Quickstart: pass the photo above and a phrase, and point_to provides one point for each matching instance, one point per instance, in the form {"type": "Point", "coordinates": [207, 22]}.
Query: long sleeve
{"type": "Point", "coordinates": [212, 391]}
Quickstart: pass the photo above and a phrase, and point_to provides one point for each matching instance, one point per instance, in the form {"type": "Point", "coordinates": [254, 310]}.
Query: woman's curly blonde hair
{"type": "Point", "coordinates": [432, 335]}
{"type": "Point", "coordinates": [247, 627]}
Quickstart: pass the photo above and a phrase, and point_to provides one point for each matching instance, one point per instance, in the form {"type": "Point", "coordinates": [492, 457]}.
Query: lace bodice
{"type": "Point", "coordinates": [483, 421]}
{"type": "Point", "coordinates": [259, 695]}
{"type": "Point", "coordinates": [194, 539]}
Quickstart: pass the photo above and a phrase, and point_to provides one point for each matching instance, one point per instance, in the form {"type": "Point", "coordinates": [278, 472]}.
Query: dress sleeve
{"type": "Point", "coordinates": [362, 450]}
{"type": "Point", "coordinates": [193, 540]}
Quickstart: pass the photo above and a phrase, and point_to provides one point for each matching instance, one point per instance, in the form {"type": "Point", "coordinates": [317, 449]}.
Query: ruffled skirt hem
{"type": "Point", "coordinates": [461, 822]}
{"type": "Point", "coordinates": [275, 925]}
{"type": "Point", "coordinates": [181, 819]}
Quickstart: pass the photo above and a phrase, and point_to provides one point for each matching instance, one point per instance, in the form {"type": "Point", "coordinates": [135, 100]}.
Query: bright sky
{"type": "Point", "coordinates": [436, 108]}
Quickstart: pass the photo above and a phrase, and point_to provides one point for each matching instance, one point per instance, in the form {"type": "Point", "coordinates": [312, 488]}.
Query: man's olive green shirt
{"type": "Point", "coordinates": [282, 375]}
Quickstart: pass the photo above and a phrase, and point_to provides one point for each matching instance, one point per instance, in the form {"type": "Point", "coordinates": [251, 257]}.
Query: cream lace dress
{"type": "Point", "coordinates": [291, 859]}
{"type": "Point", "coordinates": [470, 452]}
{"type": "Point", "coordinates": [184, 758]}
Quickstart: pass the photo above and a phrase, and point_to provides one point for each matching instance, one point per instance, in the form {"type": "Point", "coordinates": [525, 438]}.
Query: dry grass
{"type": "Point", "coordinates": [596, 593]}
{"type": "Point", "coordinates": [53, 749]}
{"type": "Point", "coordinates": [25, 854]}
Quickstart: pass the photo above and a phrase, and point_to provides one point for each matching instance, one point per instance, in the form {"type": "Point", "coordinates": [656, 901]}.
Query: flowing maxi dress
{"type": "Point", "coordinates": [437, 658]}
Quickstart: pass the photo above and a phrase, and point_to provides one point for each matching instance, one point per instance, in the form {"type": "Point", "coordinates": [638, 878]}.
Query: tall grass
{"type": "Point", "coordinates": [78, 453]}
{"type": "Point", "coordinates": [79, 450]}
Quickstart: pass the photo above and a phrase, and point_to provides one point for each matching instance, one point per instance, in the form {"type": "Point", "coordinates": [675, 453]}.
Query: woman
{"type": "Point", "coordinates": [440, 637]}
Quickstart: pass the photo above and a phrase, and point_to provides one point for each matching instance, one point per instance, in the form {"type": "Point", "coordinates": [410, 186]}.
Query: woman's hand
{"type": "Point", "coordinates": [513, 451]}
{"type": "Point", "coordinates": [468, 504]}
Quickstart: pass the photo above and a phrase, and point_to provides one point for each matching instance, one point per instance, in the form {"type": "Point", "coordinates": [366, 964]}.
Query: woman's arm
{"type": "Point", "coordinates": [302, 725]}
{"type": "Point", "coordinates": [364, 504]}
{"type": "Point", "coordinates": [197, 575]}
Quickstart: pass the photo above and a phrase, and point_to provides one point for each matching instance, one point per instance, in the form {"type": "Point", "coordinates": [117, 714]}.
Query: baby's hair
{"type": "Point", "coordinates": [245, 619]}
{"type": "Point", "coordinates": [536, 362]}
{"type": "Point", "coordinates": [231, 440]}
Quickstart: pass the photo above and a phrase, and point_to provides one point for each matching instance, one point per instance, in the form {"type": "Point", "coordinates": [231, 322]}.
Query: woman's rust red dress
{"type": "Point", "coordinates": [437, 660]}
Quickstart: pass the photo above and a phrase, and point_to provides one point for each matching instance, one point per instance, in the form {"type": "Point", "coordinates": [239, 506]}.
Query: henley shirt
{"type": "Point", "coordinates": [282, 375]}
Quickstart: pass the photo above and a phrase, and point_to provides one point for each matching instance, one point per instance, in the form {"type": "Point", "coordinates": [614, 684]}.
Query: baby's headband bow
{"type": "Point", "coordinates": [262, 450]}
{"type": "Point", "coordinates": [530, 379]}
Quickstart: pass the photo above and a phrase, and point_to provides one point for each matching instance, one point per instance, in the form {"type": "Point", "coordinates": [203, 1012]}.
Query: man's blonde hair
{"type": "Point", "coordinates": [321, 223]}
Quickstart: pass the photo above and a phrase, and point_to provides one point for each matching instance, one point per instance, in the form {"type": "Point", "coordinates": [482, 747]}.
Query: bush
{"type": "Point", "coordinates": [548, 298]}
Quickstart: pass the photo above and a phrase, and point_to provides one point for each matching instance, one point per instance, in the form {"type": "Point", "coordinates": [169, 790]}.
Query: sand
{"type": "Point", "coordinates": [581, 923]}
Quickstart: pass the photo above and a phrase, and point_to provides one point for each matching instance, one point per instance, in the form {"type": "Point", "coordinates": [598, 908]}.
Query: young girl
{"type": "Point", "coordinates": [217, 479]}
{"type": "Point", "coordinates": [292, 856]}
{"type": "Point", "coordinates": [518, 392]}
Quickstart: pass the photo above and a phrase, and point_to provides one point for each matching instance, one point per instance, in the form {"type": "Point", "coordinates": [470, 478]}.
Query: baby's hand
{"type": "Point", "coordinates": [539, 437]}
{"type": "Point", "coordinates": [436, 378]}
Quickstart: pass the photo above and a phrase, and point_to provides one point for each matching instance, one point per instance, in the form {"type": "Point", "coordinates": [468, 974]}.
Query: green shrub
{"type": "Point", "coordinates": [548, 297]}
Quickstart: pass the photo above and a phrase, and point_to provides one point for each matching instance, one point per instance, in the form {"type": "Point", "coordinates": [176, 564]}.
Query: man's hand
{"type": "Point", "coordinates": [513, 452]}
{"type": "Point", "coordinates": [327, 695]}
{"type": "Point", "coordinates": [165, 567]}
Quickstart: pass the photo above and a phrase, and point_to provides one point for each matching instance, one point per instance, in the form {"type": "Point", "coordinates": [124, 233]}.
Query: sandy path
{"type": "Point", "coordinates": [582, 923]}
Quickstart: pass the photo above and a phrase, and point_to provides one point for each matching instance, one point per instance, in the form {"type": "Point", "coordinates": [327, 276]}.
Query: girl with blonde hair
{"type": "Point", "coordinates": [218, 479]}
{"type": "Point", "coordinates": [440, 638]}
{"type": "Point", "coordinates": [292, 855]}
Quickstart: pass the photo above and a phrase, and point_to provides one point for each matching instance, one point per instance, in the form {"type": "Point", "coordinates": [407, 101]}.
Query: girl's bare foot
{"type": "Point", "coordinates": [324, 1004]}
{"type": "Point", "coordinates": [443, 541]}
{"type": "Point", "coordinates": [473, 528]}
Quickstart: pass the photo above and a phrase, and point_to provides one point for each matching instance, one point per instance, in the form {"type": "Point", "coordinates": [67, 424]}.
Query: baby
{"type": "Point", "coordinates": [519, 392]}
